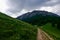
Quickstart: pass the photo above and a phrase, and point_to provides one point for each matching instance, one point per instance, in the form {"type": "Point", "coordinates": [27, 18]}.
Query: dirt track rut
{"type": "Point", "coordinates": [41, 35]}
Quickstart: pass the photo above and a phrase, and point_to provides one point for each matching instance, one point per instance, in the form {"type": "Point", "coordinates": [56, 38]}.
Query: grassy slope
{"type": "Point", "coordinates": [13, 29]}
{"type": "Point", "coordinates": [52, 31]}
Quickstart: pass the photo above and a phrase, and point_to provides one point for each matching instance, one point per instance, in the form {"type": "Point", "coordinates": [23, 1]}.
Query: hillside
{"type": "Point", "coordinates": [52, 31]}
{"type": "Point", "coordinates": [47, 21]}
{"type": "Point", "coordinates": [13, 29]}
{"type": "Point", "coordinates": [39, 17]}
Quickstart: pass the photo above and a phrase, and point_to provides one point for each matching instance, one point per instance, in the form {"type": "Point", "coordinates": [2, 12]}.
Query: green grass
{"type": "Point", "coordinates": [53, 31]}
{"type": "Point", "coordinates": [13, 29]}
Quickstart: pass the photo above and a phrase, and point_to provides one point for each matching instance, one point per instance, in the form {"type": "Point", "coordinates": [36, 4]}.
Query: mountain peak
{"type": "Point", "coordinates": [37, 15]}
{"type": "Point", "coordinates": [37, 12]}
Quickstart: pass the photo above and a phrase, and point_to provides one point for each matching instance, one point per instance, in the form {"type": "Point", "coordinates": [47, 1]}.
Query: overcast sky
{"type": "Point", "coordinates": [15, 8]}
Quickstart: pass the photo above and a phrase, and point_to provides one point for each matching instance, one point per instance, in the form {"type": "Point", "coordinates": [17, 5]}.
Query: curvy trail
{"type": "Point", "coordinates": [41, 35]}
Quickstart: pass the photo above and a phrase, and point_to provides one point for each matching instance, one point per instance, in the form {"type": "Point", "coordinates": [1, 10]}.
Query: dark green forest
{"type": "Point", "coordinates": [41, 18]}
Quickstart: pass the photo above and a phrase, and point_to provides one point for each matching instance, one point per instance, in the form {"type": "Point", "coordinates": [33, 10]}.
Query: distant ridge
{"type": "Point", "coordinates": [38, 16]}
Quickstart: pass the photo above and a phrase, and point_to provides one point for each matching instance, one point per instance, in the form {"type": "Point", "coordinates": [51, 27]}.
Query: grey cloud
{"type": "Point", "coordinates": [34, 3]}
{"type": "Point", "coordinates": [15, 5]}
{"type": "Point", "coordinates": [19, 5]}
{"type": "Point", "coordinates": [52, 3]}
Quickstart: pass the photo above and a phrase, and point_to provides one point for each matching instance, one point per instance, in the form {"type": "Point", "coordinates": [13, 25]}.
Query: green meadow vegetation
{"type": "Point", "coordinates": [13, 29]}
{"type": "Point", "coordinates": [52, 31]}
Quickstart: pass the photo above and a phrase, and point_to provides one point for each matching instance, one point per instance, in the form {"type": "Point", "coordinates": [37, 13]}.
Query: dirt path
{"type": "Point", "coordinates": [41, 35]}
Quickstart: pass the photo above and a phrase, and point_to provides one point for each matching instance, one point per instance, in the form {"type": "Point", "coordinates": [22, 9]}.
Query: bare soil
{"type": "Point", "coordinates": [41, 35]}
